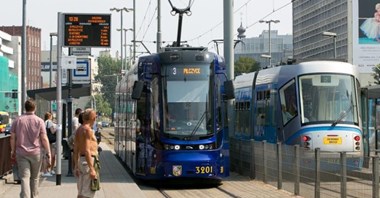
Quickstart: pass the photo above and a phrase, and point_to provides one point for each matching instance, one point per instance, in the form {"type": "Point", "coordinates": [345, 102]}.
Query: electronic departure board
{"type": "Point", "coordinates": [87, 30]}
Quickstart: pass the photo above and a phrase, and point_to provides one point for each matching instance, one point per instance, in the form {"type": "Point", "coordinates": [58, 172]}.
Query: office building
{"type": "Point", "coordinates": [255, 47]}
{"type": "Point", "coordinates": [33, 54]}
{"type": "Point", "coordinates": [344, 18]}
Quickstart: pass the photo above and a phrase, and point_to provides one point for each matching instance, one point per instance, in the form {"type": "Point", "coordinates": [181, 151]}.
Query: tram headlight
{"type": "Point", "coordinates": [206, 146]}
{"type": "Point", "coordinates": [171, 147]}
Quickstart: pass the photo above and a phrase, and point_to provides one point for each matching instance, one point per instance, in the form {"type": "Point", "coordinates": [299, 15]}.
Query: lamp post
{"type": "Point", "coordinates": [51, 64]}
{"type": "Point", "coordinates": [51, 58]}
{"type": "Point", "coordinates": [270, 42]}
{"type": "Point", "coordinates": [23, 56]}
{"type": "Point", "coordinates": [121, 33]}
{"type": "Point", "coordinates": [333, 35]}
{"type": "Point", "coordinates": [265, 56]}
{"type": "Point", "coordinates": [125, 43]}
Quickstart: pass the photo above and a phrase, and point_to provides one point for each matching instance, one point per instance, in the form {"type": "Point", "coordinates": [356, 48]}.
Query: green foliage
{"type": "Point", "coordinates": [101, 105]}
{"type": "Point", "coordinates": [376, 74]}
{"type": "Point", "coordinates": [246, 65]}
{"type": "Point", "coordinates": [108, 74]}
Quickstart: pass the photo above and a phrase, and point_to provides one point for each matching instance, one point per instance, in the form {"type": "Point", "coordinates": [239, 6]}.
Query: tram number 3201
{"type": "Point", "coordinates": [203, 169]}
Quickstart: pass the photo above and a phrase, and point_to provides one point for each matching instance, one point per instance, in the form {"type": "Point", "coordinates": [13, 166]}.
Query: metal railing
{"type": "Point", "coordinates": [5, 155]}
{"type": "Point", "coordinates": [305, 173]}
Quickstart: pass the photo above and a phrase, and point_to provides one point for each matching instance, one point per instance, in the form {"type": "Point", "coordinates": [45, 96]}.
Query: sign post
{"type": "Point", "coordinates": [76, 30]}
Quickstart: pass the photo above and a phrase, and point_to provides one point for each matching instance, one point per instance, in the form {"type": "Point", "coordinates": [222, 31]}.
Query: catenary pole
{"type": "Point", "coordinates": [228, 54]}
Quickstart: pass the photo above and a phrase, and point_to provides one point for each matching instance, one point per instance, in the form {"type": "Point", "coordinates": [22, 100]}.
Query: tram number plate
{"type": "Point", "coordinates": [332, 140]}
{"type": "Point", "coordinates": [203, 169]}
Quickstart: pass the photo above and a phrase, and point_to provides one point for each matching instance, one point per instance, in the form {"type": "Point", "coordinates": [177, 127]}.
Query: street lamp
{"type": "Point", "coordinates": [51, 58]}
{"type": "Point", "coordinates": [121, 33]}
{"type": "Point", "coordinates": [51, 65]}
{"type": "Point", "coordinates": [266, 56]}
{"type": "Point", "coordinates": [270, 42]}
{"type": "Point", "coordinates": [125, 42]}
{"type": "Point", "coordinates": [333, 35]}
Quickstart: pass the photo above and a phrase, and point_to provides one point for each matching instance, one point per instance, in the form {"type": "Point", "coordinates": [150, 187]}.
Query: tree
{"type": "Point", "coordinates": [246, 65]}
{"type": "Point", "coordinates": [376, 74]}
{"type": "Point", "coordinates": [109, 72]}
{"type": "Point", "coordinates": [102, 106]}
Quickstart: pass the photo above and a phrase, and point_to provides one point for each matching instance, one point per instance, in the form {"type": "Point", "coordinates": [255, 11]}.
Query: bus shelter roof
{"type": "Point", "coordinates": [77, 91]}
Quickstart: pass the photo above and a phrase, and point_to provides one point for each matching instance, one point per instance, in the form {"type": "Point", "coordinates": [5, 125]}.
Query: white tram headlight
{"type": "Point", "coordinates": [206, 146]}
{"type": "Point", "coordinates": [177, 147]}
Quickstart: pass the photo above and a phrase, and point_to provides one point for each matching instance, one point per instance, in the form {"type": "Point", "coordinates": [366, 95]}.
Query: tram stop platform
{"type": "Point", "coordinates": [115, 181]}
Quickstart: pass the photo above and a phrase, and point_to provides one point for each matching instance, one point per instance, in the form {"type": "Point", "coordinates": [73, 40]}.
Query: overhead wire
{"type": "Point", "coordinates": [218, 24]}
{"type": "Point", "coordinates": [248, 26]}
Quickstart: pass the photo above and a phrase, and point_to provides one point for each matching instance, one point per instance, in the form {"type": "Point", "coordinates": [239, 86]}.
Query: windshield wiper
{"type": "Point", "coordinates": [197, 125]}
{"type": "Point", "coordinates": [342, 115]}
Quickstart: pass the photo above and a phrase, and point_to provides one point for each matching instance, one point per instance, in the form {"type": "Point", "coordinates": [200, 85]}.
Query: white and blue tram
{"type": "Point", "coordinates": [313, 104]}
{"type": "Point", "coordinates": [171, 115]}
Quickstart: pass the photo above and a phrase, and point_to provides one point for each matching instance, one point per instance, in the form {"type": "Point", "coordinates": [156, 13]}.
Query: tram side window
{"type": "Point", "coordinates": [155, 104]}
{"type": "Point", "coordinates": [288, 101]}
{"type": "Point", "coordinates": [242, 118]}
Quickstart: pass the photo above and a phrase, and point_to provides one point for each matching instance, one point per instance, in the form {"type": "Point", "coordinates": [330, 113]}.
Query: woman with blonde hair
{"type": "Point", "coordinates": [50, 130]}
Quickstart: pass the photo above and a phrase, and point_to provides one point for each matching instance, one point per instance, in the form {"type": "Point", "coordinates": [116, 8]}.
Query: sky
{"type": "Point", "coordinates": [204, 25]}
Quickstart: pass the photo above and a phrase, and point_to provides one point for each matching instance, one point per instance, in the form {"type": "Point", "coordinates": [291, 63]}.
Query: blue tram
{"type": "Point", "coordinates": [171, 117]}
{"type": "Point", "coordinates": [313, 104]}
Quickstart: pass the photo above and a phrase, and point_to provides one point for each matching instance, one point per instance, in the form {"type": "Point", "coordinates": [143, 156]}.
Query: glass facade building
{"type": "Point", "coordinates": [311, 19]}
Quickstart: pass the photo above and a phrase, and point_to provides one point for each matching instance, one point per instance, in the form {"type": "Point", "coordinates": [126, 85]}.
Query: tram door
{"type": "Point", "coordinates": [139, 131]}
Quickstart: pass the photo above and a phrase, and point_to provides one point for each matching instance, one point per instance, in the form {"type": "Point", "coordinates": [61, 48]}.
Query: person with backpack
{"type": "Point", "coordinates": [51, 129]}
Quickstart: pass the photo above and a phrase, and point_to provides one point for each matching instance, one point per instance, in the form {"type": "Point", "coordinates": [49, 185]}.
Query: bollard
{"type": "Point", "coordinates": [317, 190]}
{"type": "Point", "coordinates": [343, 180]}
{"type": "Point", "coordinates": [279, 166]}
{"type": "Point", "coordinates": [252, 170]}
{"type": "Point", "coordinates": [297, 170]}
{"type": "Point", "coordinates": [265, 161]}
{"type": "Point", "coordinates": [375, 178]}
{"type": "Point", "coordinates": [241, 157]}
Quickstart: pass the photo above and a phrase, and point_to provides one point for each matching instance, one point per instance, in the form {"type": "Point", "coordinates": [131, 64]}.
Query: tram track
{"type": "Point", "coordinates": [190, 192]}
{"type": "Point", "coordinates": [238, 186]}
{"type": "Point", "coordinates": [234, 186]}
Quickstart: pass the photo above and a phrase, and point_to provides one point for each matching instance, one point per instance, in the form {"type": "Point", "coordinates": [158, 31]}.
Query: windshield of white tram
{"type": "Point", "coordinates": [328, 98]}
{"type": "Point", "coordinates": [186, 95]}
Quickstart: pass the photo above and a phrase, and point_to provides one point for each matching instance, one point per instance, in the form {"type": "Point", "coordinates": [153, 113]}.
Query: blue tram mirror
{"type": "Point", "coordinates": [229, 90]}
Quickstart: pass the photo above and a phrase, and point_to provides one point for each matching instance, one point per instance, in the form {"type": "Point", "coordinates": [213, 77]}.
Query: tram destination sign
{"type": "Point", "coordinates": [87, 30]}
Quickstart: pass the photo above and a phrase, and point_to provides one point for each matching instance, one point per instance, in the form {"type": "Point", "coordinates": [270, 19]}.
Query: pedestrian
{"type": "Point", "coordinates": [75, 125]}
{"type": "Point", "coordinates": [75, 120]}
{"type": "Point", "coordinates": [86, 160]}
{"type": "Point", "coordinates": [28, 138]}
{"type": "Point", "coordinates": [51, 130]}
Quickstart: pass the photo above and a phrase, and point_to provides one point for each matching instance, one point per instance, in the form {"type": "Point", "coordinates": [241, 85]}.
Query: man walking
{"type": "Point", "coordinates": [28, 132]}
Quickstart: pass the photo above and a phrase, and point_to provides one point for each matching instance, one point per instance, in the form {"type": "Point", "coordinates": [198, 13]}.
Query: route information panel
{"type": "Point", "coordinates": [87, 30]}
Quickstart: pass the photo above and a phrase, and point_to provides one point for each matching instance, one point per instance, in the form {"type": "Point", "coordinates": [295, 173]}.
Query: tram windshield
{"type": "Point", "coordinates": [328, 98]}
{"type": "Point", "coordinates": [186, 108]}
